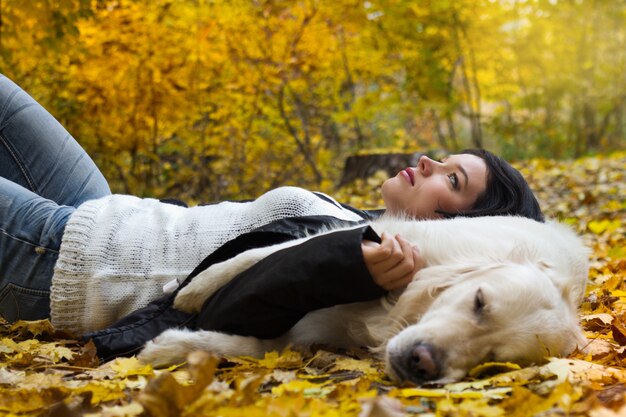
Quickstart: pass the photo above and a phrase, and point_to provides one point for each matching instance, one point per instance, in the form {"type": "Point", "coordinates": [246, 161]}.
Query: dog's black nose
{"type": "Point", "coordinates": [417, 364]}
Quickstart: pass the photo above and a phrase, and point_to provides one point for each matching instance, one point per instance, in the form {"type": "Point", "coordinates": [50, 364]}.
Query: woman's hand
{"type": "Point", "coordinates": [393, 262]}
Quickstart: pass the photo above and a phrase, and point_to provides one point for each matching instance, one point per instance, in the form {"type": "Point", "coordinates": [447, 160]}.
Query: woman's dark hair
{"type": "Point", "coordinates": [507, 191]}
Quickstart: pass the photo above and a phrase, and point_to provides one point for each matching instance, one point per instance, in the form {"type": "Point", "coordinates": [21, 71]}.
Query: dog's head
{"type": "Point", "coordinates": [500, 312]}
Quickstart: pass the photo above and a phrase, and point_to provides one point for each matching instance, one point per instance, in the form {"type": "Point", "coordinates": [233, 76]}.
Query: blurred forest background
{"type": "Point", "coordinates": [213, 99]}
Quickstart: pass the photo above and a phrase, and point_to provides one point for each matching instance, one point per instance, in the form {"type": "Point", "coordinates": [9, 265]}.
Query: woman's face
{"type": "Point", "coordinates": [451, 185]}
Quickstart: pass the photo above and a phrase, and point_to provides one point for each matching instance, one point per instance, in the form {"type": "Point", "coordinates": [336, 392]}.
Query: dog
{"type": "Point", "coordinates": [499, 288]}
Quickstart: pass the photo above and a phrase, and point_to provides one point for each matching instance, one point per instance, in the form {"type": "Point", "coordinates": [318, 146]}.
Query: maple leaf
{"type": "Point", "coordinates": [126, 367]}
{"type": "Point", "coordinates": [287, 359]}
{"type": "Point", "coordinates": [34, 328]}
{"type": "Point", "coordinates": [618, 331]}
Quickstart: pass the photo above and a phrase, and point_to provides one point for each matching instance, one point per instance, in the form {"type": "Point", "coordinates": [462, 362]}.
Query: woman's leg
{"type": "Point", "coordinates": [31, 228]}
{"type": "Point", "coordinates": [37, 153]}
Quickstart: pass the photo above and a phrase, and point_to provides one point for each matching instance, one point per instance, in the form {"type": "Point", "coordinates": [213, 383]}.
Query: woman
{"type": "Point", "coordinates": [71, 250]}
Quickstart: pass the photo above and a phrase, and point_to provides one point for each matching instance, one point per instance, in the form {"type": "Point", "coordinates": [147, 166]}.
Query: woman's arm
{"type": "Point", "coordinates": [267, 299]}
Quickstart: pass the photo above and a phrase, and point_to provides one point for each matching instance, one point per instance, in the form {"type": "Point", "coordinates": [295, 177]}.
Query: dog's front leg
{"type": "Point", "coordinates": [172, 346]}
{"type": "Point", "coordinates": [191, 298]}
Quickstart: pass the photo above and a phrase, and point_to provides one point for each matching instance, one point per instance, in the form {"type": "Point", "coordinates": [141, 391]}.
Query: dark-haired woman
{"type": "Point", "coordinates": [72, 251]}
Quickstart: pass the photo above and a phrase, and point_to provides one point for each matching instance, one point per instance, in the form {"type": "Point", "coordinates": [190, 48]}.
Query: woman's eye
{"type": "Point", "coordinates": [454, 180]}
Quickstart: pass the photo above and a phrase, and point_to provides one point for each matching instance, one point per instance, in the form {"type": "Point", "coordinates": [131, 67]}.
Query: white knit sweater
{"type": "Point", "coordinates": [117, 252]}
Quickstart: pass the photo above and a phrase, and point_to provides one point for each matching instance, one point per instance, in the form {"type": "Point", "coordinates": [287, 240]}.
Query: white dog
{"type": "Point", "coordinates": [493, 288]}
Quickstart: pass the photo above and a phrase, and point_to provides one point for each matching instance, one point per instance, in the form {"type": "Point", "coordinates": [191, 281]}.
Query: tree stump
{"type": "Point", "coordinates": [364, 166]}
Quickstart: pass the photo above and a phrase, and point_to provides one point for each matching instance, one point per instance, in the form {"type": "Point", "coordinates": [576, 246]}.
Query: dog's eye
{"type": "Point", "coordinates": [479, 302]}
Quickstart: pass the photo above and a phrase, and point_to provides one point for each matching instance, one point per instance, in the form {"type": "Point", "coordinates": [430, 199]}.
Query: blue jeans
{"type": "Point", "coordinates": [44, 176]}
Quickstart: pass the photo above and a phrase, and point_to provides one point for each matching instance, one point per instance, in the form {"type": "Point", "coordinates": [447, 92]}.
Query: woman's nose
{"type": "Point", "coordinates": [425, 165]}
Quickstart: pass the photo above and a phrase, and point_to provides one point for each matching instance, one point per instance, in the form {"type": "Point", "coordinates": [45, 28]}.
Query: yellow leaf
{"type": "Point", "coordinates": [598, 227]}
{"type": "Point", "coordinates": [421, 392]}
{"type": "Point", "coordinates": [55, 352]}
{"type": "Point", "coordinates": [349, 364]}
{"type": "Point", "coordinates": [129, 410]}
{"type": "Point", "coordinates": [439, 393]}
{"type": "Point", "coordinates": [524, 402]}
{"type": "Point", "coordinates": [469, 407]}
{"type": "Point", "coordinates": [27, 345]}
{"type": "Point", "coordinates": [36, 328]}
{"type": "Point", "coordinates": [617, 252]}
{"type": "Point", "coordinates": [287, 359]}
{"type": "Point", "coordinates": [22, 401]}
{"type": "Point", "coordinates": [102, 391]}
{"type": "Point", "coordinates": [597, 322]}
{"type": "Point", "coordinates": [305, 387]}
{"type": "Point", "coordinates": [492, 368]}
{"type": "Point", "coordinates": [8, 346]}
{"type": "Point", "coordinates": [131, 366]}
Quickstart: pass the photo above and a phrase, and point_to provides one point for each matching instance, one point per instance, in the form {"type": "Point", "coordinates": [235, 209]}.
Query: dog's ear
{"type": "Point", "coordinates": [572, 288]}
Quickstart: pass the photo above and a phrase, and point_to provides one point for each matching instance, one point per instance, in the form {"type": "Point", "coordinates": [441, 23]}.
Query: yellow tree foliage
{"type": "Point", "coordinates": [213, 99]}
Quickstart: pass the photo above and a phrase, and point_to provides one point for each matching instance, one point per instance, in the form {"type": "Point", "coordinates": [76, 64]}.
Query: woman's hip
{"type": "Point", "coordinates": [31, 230]}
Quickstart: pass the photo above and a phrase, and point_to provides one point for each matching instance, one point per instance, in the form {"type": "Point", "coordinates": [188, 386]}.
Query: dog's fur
{"type": "Point", "coordinates": [493, 288]}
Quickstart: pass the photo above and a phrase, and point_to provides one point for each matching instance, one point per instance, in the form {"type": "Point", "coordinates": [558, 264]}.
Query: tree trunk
{"type": "Point", "coordinates": [589, 126]}
{"type": "Point", "coordinates": [304, 150]}
{"type": "Point", "coordinates": [364, 166]}
{"type": "Point", "coordinates": [473, 95]}
{"type": "Point", "coordinates": [452, 132]}
{"type": "Point", "coordinates": [349, 86]}
{"type": "Point", "coordinates": [618, 133]}
{"type": "Point", "coordinates": [441, 137]}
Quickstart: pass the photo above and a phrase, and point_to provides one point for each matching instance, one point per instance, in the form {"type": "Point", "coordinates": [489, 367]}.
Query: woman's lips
{"type": "Point", "coordinates": [409, 175]}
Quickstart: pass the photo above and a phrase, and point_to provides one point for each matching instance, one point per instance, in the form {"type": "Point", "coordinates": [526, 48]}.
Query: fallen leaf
{"type": "Point", "coordinates": [618, 331]}
{"type": "Point", "coordinates": [492, 368]}
{"type": "Point", "coordinates": [128, 410]}
{"type": "Point", "coordinates": [34, 328]}
{"type": "Point", "coordinates": [349, 364]}
{"type": "Point", "coordinates": [287, 359]}
{"type": "Point", "coordinates": [597, 322]}
{"type": "Point", "coordinates": [126, 367]}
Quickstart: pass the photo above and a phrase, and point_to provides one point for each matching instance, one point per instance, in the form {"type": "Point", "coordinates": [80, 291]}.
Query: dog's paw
{"type": "Point", "coordinates": [166, 349]}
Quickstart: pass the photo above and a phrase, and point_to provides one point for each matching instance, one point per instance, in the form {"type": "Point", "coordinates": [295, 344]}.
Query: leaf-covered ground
{"type": "Point", "coordinates": [46, 373]}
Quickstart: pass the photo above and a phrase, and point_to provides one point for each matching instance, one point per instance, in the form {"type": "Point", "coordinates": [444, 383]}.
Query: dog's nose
{"type": "Point", "coordinates": [423, 362]}
{"type": "Point", "coordinates": [417, 363]}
